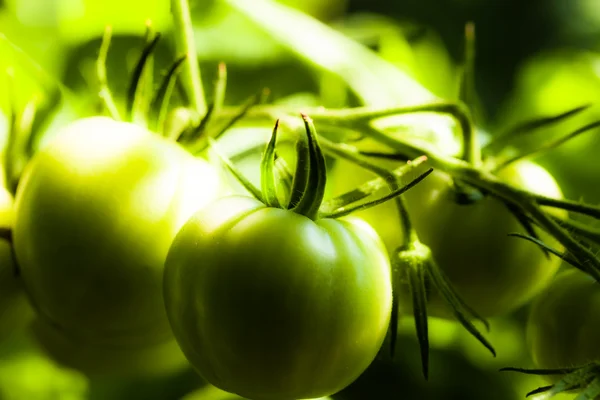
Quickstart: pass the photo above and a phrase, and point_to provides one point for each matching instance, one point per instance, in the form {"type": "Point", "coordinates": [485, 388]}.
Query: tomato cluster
{"type": "Point", "coordinates": [134, 257]}
{"type": "Point", "coordinates": [125, 253]}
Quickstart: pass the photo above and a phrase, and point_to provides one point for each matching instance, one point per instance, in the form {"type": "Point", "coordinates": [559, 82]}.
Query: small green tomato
{"type": "Point", "coordinates": [96, 211]}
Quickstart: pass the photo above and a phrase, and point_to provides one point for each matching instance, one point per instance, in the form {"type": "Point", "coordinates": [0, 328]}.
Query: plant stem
{"type": "Point", "coordinates": [489, 182]}
{"type": "Point", "coordinates": [184, 37]}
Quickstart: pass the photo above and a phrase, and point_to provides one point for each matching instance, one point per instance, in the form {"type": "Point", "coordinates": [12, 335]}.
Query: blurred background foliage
{"type": "Point", "coordinates": [533, 58]}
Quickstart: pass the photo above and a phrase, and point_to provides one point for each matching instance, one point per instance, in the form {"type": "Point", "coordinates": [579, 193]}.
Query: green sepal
{"type": "Point", "coordinates": [314, 190]}
{"type": "Point", "coordinates": [501, 140]}
{"type": "Point", "coordinates": [585, 379]}
{"type": "Point", "coordinates": [462, 312]}
{"type": "Point", "coordinates": [300, 174]}
{"type": "Point", "coordinates": [346, 210]}
{"type": "Point", "coordinates": [545, 147]}
{"type": "Point", "coordinates": [104, 92]}
{"type": "Point", "coordinates": [159, 107]}
{"type": "Point", "coordinates": [411, 263]}
{"type": "Point", "coordinates": [284, 176]}
{"type": "Point", "coordinates": [253, 190]}
{"type": "Point", "coordinates": [133, 92]}
{"type": "Point", "coordinates": [267, 171]}
{"type": "Point", "coordinates": [368, 188]}
{"type": "Point", "coordinates": [198, 138]}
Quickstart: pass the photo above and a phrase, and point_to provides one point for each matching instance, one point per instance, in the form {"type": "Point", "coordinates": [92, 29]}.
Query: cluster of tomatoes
{"type": "Point", "coordinates": [138, 258]}
{"type": "Point", "coordinates": [124, 253]}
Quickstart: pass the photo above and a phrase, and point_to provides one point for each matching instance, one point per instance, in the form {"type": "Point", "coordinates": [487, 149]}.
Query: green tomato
{"type": "Point", "coordinates": [96, 211]}
{"type": "Point", "coordinates": [268, 304]}
{"type": "Point", "coordinates": [99, 361]}
{"type": "Point", "coordinates": [15, 310]}
{"type": "Point", "coordinates": [564, 322]}
{"type": "Point", "coordinates": [493, 272]}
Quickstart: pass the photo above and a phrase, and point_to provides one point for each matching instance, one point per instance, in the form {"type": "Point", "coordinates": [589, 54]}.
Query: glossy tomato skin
{"type": "Point", "coordinates": [564, 322]}
{"type": "Point", "coordinates": [493, 272]}
{"type": "Point", "coordinates": [96, 211]}
{"type": "Point", "coordinates": [268, 304]}
{"type": "Point", "coordinates": [15, 310]}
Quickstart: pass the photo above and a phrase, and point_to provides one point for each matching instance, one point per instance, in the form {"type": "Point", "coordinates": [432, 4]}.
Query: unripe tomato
{"type": "Point", "coordinates": [96, 211]}
{"type": "Point", "coordinates": [564, 322]}
{"type": "Point", "coordinates": [269, 304]}
{"type": "Point", "coordinates": [493, 272]}
{"type": "Point", "coordinates": [15, 310]}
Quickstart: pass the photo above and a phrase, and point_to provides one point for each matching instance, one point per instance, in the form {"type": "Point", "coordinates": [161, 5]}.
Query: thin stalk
{"type": "Point", "coordinates": [184, 38]}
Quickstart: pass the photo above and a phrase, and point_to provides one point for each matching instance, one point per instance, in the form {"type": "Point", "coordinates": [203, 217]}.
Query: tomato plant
{"type": "Point", "coordinates": [270, 301]}
{"type": "Point", "coordinates": [492, 272]}
{"type": "Point", "coordinates": [564, 323]}
{"type": "Point", "coordinates": [96, 211]}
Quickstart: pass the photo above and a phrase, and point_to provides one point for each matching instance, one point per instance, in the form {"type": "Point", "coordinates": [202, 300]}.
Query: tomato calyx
{"type": "Point", "coordinates": [152, 108]}
{"type": "Point", "coordinates": [304, 189]}
{"type": "Point", "coordinates": [413, 265]}
{"type": "Point", "coordinates": [583, 379]}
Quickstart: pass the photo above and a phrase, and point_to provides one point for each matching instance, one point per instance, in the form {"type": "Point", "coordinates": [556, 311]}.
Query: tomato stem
{"type": "Point", "coordinates": [358, 120]}
{"type": "Point", "coordinates": [184, 38]}
{"type": "Point", "coordinates": [579, 229]}
{"type": "Point", "coordinates": [468, 94]}
{"type": "Point", "coordinates": [492, 184]}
